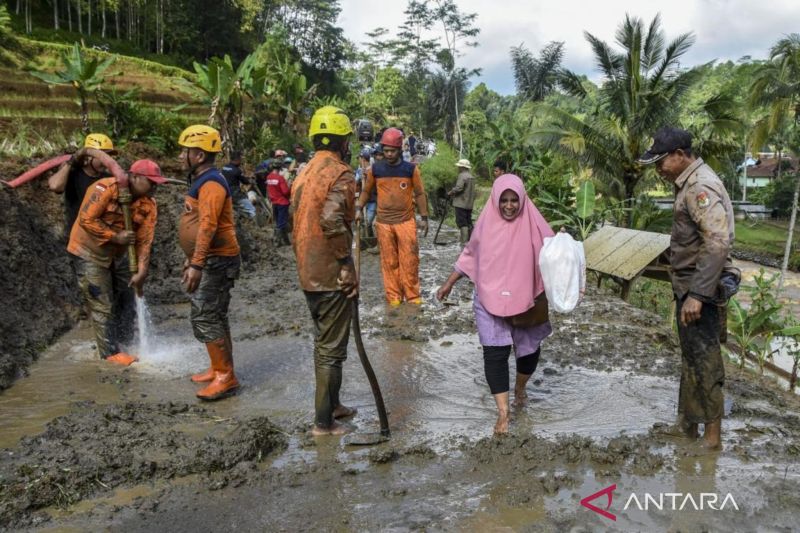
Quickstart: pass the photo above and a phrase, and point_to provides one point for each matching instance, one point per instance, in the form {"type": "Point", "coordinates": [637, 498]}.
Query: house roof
{"type": "Point", "coordinates": [768, 168]}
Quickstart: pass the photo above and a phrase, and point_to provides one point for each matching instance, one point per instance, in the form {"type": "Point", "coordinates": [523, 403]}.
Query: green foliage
{"type": "Point", "coordinates": [5, 23]}
{"type": "Point", "coordinates": [132, 120]}
{"type": "Point", "coordinates": [754, 328]}
{"type": "Point", "coordinates": [791, 344]}
{"type": "Point", "coordinates": [577, 211]}
{"type": "Point", "coordinates": [643, 90]}
{"type": "Point", "coordinates": [85, 74]}
{"type": "Point", "coordinates": [439, 172]}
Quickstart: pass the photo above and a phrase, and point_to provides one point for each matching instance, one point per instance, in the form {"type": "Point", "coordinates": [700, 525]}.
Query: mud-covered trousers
{"type": "Point", "coordinates": [331, 313]}
{"type": "Point", "coordinates": [111, 302]}
{"type": "Point", "coordinates": [399, 260]}
{"type": "Point", "coordinates": [700, 398]}
{"type": "Point", "coordinates": [209, 314]}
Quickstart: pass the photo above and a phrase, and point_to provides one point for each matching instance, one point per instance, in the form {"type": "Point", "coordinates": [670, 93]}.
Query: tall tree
{"type": "Point", "coordinates": [642, 90]}
{"type": "Point", "coordinates": [536, 77]}
{"type": "Point", "coordinates": [777, 88]}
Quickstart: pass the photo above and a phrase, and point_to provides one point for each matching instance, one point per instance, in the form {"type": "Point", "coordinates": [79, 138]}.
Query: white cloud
{"type": "Point", "coordinates": [724, 29]}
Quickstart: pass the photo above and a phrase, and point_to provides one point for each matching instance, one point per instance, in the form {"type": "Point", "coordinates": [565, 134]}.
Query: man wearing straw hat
{"type": "Point", "coordinates": [463, 195]}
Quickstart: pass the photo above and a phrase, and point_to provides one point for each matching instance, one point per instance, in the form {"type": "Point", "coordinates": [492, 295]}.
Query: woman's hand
{"type": "Point", "coordinates": [447, 286]}
{"type": "Point", "coordinates": [444, 291]}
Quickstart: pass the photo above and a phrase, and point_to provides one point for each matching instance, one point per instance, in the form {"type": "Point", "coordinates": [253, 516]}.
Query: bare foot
{"type": "Point", "coordinates": [501, 426]}
{"type": "Point", "coordinates": [335, 429]}
{"type": "Point", "coordinates": [342, 411]}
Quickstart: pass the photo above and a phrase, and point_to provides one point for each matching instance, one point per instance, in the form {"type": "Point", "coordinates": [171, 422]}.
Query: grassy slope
{"type": "Point", "coordinates": [25, 98]}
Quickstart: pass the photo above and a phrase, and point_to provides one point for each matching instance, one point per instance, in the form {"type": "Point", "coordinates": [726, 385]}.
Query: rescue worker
{"type": "Point", "coordinates": [236, 178]}
{"type": "Point", "coordinates": [278, 193]}
{"type": "Point", "coordinates": [364, 161]}
{"type": "Point", "coordinates": [463, 195]}
{"type": "Point", "coordinates": [702, 272]}
{"type": "Point", "coordinates": [323, 199]}
{"type": "Point", "coordinates": [208, 238]}
{"type": "Point", "coordinates": [400, 188]}
{"type": "Point", "coordinates": [75, 177]}
{"type": "Point", "coordinates": [99, 240]}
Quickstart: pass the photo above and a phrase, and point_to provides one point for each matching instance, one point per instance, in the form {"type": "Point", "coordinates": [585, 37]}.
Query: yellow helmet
{"type": "Point", "coordinates": [98, 141]}
{"type": "Point", "coordinates": [201, 136]}
{"type": "Point", "coordinates": [329, 119]}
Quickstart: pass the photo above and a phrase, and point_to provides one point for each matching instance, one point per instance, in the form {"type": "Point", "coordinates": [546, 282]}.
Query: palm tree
{"type": "Point", "coordinates": [643, 86]}
{"type": "Point", "coordinates": [86, 75]}
{"type": "Point", "coordinates": [776, 87]}
{"type": "Point", "coordinates": [536, 77]}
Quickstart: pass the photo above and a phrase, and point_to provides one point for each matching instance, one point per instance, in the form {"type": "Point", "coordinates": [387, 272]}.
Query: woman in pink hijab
{"type": "Point", "coordinates": [502, 260]}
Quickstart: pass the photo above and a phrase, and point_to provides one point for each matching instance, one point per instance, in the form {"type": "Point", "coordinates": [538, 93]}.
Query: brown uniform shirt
{"type": "Point", "coordinates": [464, 191]}
{"type": "Point", "coordinates": [702, 232]}
{"type": "Point", "coordinates": [322, 211]}
{"type": "Point", "coordinates": [100, 218]}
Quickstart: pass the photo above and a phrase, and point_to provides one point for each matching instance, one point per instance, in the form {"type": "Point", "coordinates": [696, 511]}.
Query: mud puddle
{"type": "Point", "coordinates": [606, 376]}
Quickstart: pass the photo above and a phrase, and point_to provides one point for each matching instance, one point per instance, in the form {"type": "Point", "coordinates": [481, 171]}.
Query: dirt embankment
{"type": "Point", "coordinates": [39, 289]}
{"type": "Point", "coordinates": [60, 466]}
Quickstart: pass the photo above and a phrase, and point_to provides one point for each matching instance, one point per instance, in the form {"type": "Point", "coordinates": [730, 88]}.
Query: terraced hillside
{"type": "Point", "coordinates": [30, 105]}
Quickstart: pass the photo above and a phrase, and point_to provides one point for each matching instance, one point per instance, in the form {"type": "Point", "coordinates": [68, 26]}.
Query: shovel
{"type": "Point", "coordinates": [366, 439]}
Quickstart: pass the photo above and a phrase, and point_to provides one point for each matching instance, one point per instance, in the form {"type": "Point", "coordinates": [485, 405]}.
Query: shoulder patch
{"type": "Point", "coordinates": [703, 200]}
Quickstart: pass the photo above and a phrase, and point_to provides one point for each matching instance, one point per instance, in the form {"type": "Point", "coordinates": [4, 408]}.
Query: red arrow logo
{"type": "Point", "coordinates": [609, 492]}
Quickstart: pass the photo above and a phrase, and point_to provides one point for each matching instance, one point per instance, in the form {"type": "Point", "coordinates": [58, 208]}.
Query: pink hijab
{"type": "Point", "coordinates": [502, 256]}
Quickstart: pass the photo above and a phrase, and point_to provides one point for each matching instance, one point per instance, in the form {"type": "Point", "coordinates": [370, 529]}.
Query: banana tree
{"type": "Point", "coordinates": [582, 214]}
{"type": "Point", "coordinates": [225, 89]}
{"type": "Point", "coordinates": [84, 74]}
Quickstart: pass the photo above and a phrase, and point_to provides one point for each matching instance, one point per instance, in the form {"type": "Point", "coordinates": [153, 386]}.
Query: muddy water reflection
{"type": "Point", "coordinates": [433, 390]}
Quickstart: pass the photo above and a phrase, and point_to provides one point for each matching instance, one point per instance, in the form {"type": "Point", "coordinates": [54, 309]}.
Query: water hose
{"type": "Point", "coordinates": [125, 198]}
{"type": "Point", "coordinates": [38, 170]}
{"type": "Point", "coordinates": [362, 355]}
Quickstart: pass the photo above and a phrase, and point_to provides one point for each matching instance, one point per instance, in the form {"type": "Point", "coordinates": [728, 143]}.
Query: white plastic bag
{"type": "Point", "coordinates": [563, 267]}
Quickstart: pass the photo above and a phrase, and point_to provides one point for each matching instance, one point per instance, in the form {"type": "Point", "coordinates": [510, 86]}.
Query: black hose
{"type": "Point", "coordinates": [362, 352]}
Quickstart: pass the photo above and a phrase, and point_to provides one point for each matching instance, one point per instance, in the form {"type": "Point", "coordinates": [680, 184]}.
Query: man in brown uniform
{"type": "Point", "coordinates": [322, 210]}
{"type": "Point", "coordinates": [207, 234]}
{"type": "Point", "coordinates": [702, 238]}
{"type": "Point", "coordinates": [463, 195]}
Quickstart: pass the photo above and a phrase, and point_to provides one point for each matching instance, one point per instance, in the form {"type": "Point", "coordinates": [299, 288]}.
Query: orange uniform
{"type": "Point", "coordinates": [100, 218]}
{"type": "Point", "coordinates": [207, 227]}
{"type": "Point", "coordinates": [400, 188]}
{"type": "Point", "coordinates": [323, 209]}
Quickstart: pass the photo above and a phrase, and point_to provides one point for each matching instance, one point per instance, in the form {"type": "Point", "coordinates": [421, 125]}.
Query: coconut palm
{"type": "Point", "coordinates": [536, 77]}
{"type": "Point", "coordinates": [643, 86]}
{"type": "Point", "coordinates": [776, 88]}
{"type": "Point", "coordinates": [86, 75]}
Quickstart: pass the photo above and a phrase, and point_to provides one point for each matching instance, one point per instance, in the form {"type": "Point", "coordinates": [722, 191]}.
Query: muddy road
{"type": "Point", "coordinates": [87, 446]}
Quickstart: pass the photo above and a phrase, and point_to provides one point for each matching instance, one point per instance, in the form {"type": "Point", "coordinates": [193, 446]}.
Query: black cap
{"type": "Point", "coordinates": [666, 140]}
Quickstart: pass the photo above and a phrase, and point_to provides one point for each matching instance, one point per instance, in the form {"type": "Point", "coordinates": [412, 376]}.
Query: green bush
{"type": "Point", "coordinates": [131, 120]}
{"type": "Point", "coordinates": [439, 174]}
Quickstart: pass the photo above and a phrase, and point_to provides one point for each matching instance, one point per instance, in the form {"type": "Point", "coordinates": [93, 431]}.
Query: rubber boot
{"type": "Point", "coordinates": [208, 375]}
{"type": "Point", "coordinates": [285, 237]}
{"type": "Point", "coordinates": [225, 381]}
{"type": "Point", "coordinates": [464, 237]}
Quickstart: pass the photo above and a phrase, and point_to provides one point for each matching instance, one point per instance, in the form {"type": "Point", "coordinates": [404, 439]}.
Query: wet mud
{"type": "Point", "coordinates": [605, 387]}
{"type": "Point", "coordinates": [41, 299]}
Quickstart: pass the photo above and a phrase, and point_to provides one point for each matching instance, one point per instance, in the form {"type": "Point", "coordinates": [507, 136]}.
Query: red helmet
{"type": "Point", "coordinates": [392, 137]}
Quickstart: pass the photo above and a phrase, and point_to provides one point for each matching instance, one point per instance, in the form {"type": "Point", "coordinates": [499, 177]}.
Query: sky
{"type": "Point", "coordinates": [723, 29]}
